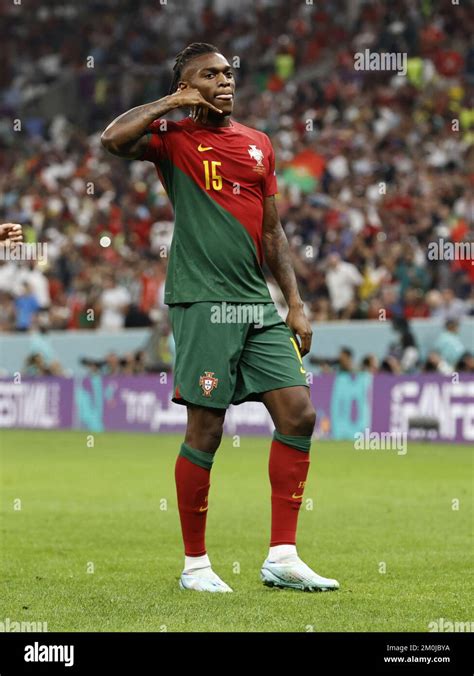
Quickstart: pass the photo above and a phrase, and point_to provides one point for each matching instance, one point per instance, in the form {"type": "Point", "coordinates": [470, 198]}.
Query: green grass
{"type": "Point", "coordinates": [102, 505]}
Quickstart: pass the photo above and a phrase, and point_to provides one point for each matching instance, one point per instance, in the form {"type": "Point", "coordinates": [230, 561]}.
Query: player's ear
{"type": "Point", "coordinates": [182, 85]}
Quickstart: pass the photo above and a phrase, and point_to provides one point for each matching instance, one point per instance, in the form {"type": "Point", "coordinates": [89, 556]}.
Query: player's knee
{"type": "Point", "coordinates": [213, 437]}
{"type": "Point", "coordinates": [299, 420]}
{"type": "Point", "coordinates": [307, 421]}
{"type": "Point", "coordinates": [302, 422]}
{"type": "Point", "coordinates": [204, 432]}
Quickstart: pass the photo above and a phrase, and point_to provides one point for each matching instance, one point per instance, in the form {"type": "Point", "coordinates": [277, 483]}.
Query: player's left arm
{"type": "Point", "coordinates": [278, 258]}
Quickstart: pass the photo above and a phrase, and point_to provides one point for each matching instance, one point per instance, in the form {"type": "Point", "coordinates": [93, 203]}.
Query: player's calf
{"type": "Point", "coordinates": [192, 474]}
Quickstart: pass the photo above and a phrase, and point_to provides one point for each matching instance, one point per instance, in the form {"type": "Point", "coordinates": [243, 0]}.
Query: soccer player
{"type": "Point", "coordinates": [220, 178]}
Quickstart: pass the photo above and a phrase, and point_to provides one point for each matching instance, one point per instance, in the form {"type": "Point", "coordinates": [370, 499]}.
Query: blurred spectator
{"type": "Point", "coordinates": [38, 283]}
{"type": "Point", "coordinates": [135, 317]}
{"type": "Point", "coordinates": [449, 346]}
{"type": "Point", "coordinates": [410, 273]}
{"type": "Point", "coordinates": [410, 354]}
{"type": "Point", "coordinates": [434, 362]}
{"type": "Point", "coordinates": [449, 307]}
{"type": "Point", "coordinates": [113, 304]}
{"type": "Point", "coordinates": [466, 363]}
{"type": "Point", "coordinates": [40, 342]}
{"type": "Point", "coordinates": [26, 305]}
{"type": "Point", "coordinates": [7, 311]}
{"type": "Point", "coordinates": [35, 365]}
{"type": "Point", "coordinates": [158, 353]}
{"type": "Point", "coordinates": [345, 360]}
{"type": "Point", "coordinates": [370, 363]}
{"type": "Point", "coordinates": [390, 365]}
{"type": "Point", "coordinates": [415, 304]}
{"type": "Point", "coordinates": [112, 365]}
{"type": "Point", "coordinates": [405, 351]}
{"type": "Point", "coordinates": [342, 280]}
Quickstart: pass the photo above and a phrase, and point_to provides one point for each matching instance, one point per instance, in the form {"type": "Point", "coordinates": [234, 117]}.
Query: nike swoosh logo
{"type": "Point", "coordinates": [295, 497]}
{"type": "Point", "coordinates": [302, 370]}
{"type": "Point", "coordinates": [202, 149]}
{"type": "Point", "coordinates": [203, 509]}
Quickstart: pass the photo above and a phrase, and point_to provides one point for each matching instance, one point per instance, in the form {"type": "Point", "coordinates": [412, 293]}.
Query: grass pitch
{"type": "Point", "coordinates": [95, 543]}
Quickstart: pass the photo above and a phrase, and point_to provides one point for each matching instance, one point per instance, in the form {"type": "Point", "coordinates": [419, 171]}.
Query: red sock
{"type": "Point", "coordinates": [288, 469]}
{"type": "Point", "coordinates": [192, 475]}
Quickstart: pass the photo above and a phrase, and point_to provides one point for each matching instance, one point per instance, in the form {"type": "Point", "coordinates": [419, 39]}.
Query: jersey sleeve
{"type": "Point", "coordinates": [270, 186]}
{"type": "Point", "coordinates": [155, 150]}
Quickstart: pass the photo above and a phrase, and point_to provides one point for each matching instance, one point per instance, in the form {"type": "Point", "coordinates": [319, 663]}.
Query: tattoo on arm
{"type": "Point", "coordinates": [277, 253]}
{"type": "Point", "coordinates": [126, 135]}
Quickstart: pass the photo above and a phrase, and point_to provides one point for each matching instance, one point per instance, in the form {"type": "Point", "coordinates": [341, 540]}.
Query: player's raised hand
{"type": "Point", "coordinates": [189, 97]}
{"type": "Point", "coordinates": [10, 233]}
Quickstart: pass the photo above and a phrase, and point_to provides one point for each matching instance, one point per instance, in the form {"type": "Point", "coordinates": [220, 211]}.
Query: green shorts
{"type": "Point", "coordinates": [228, 353]}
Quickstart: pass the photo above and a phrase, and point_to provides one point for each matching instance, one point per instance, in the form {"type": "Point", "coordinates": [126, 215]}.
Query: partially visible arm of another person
{"type": "Point", "coordinates": [10, 233]}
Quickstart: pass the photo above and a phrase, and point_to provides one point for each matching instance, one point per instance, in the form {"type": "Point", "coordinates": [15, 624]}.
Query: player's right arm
{"type": "Point", "coordinates": [126, 135]}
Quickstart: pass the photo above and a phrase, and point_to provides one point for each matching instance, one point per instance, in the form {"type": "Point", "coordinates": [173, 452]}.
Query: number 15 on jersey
{"type": "Point", "coordinates": [212, 179]}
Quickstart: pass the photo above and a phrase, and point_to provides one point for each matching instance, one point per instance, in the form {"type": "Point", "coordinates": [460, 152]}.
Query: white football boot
{"type": "Point", "coordinates": [199, 576]}
{"type": "Point", "coordinates": [292, 573]}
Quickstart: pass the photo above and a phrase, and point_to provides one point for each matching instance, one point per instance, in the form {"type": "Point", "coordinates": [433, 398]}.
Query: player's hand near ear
{"type": "Point", "coordinates": [189, 97]}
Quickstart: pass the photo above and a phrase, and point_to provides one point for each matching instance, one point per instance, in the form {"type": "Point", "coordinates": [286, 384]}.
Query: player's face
{"type": "Point", "coordinates": [213, 76]}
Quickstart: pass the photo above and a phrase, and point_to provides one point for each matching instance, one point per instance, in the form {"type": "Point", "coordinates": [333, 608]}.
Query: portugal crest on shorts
{"type": "Point", "coordinates": [207, 382]}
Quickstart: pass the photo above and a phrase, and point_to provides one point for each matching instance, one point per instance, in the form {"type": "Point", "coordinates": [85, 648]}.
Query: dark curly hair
{"type": "Point", "coordinates": [185, 55]}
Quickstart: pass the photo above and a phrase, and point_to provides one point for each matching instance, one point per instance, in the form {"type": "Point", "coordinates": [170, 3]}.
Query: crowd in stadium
{"type": "Point", "coordinates": [385, 156]}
